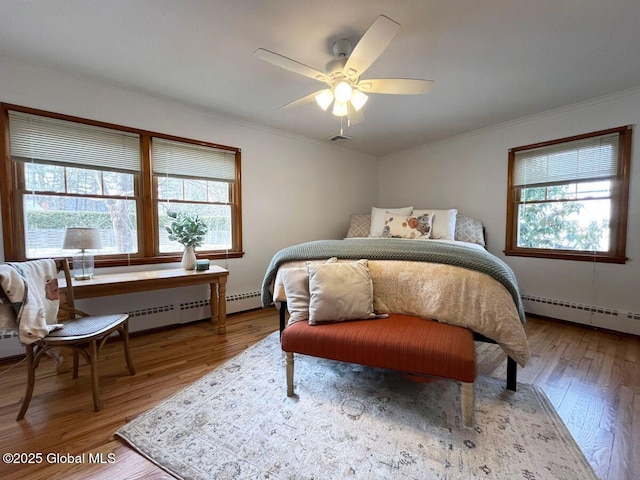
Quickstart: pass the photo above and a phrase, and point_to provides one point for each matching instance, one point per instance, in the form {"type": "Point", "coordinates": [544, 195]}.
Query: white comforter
{"type": "Point", "coordinates": [446, 293]}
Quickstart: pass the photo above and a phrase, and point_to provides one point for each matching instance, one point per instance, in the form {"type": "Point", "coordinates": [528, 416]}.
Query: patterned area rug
{"type": "Point", "coordinates": [348, 421]}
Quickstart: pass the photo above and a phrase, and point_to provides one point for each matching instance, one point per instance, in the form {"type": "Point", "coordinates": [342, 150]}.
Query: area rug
{"type": "Point", "coordinates": [350, 422]}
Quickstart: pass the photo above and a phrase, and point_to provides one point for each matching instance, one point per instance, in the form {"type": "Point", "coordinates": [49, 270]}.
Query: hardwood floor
{"type": "Point", "coordinates": [592, 378]}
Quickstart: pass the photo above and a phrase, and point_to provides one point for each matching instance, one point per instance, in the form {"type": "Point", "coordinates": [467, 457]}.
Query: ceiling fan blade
{"type": "Point", "coordinates": [370, 46]}
{"type": "Point", "coordinates": [291, 65]}
{"type": "Point", "coordinates": [300, 101]}
{"type": "Point", "coordinates": [399, 86]}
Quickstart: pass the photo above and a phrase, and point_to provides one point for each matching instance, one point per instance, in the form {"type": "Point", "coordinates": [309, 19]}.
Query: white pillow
{"type": "Point", "coordinates": [340, 291]}
{"type": "Point", "coordinates": [444, 223]}
{"type": "Point", "coordinates": [295, 282]}
{"type": "Point", "coordinates": [377, 218]}
{"type": "Point", "coordinates": [401, 226]}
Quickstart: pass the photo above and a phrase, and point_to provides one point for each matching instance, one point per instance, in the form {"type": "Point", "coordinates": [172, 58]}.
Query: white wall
{"type": "Point", "coordinates": [469, 172]}
{"type": "Point", "coordinates": [293, 189]}
{"type": "Point", "coordinates": [296, 189]}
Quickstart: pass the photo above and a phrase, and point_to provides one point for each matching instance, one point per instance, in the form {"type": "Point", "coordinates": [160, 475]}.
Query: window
{"type": "Point", "coordinates": [195, 179]}
{"type": "Point", "coordinates": [62, 171]}
{"type": "Point", "coordinates": [568, 197]}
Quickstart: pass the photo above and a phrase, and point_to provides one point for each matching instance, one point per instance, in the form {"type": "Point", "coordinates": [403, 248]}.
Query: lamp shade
{"type": "Point", "coordinates": [339, 108]}
{"type": "Point", "coordinates": [358, 99]}
{"type": "Point", "coordinates": [324, 98]}
{"type": "Point", "coordinates": [83, 238]}
{"type": "Point", "coordinates": [342, 91]}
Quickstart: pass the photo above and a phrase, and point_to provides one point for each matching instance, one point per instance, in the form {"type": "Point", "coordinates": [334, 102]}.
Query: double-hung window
{"type": "Point", "coordinates": [196, 179]}
{"type": "Point", "coordinates": [60, 171]}
{"type": "Point", "coordinates": [568, 197]}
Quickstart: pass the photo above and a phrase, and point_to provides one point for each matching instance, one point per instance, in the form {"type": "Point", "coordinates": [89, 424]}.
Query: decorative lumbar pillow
{"type": "Point", "coordinates": [377, 218]}
{"type": "Point", "coordinates": [340, 291]}
{"type": "Point", "coordinates": [444, 223]}
{"type": "Point", "coordinates": [469, 230]}
{"type": "Point", "coordinates": [401, 226]}
{"type": "Point", "coordinates": [295, 282]}
{"type": "Point", "coordinates": [359, 226]}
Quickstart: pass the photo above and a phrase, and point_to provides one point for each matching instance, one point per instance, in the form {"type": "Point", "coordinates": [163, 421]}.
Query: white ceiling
{"type": "Point", "coordinates": [492, 60]}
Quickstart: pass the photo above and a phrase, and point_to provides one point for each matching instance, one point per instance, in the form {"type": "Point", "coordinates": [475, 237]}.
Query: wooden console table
{"type": "Point", "coordinates": [132, 282]}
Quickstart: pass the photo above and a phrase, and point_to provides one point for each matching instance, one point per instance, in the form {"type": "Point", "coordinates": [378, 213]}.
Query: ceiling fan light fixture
{"type": "Point", "coordinates": [324, 99]}
{"type": "Point", "coordinates": [346, 91]}
{"type": "Point", "coordinates": [340, 108]}
{"type": "Point", "coordinates": [358, 99]}
{"type": "Point", "coordinates": [342, 91]}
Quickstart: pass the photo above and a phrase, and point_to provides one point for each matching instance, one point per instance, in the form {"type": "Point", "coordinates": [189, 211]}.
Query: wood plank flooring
{"type": "Point", "coordinates": [592, 378]}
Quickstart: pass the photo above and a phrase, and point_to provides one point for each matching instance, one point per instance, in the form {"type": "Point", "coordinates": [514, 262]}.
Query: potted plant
{"type": "Point", "coordinates": [189, 230]}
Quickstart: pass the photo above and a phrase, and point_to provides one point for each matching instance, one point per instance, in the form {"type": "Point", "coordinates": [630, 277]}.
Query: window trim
{"type": "Point", "coordinates": [619, 196]}
{"type": "Point", "coordinates": [13, 224]}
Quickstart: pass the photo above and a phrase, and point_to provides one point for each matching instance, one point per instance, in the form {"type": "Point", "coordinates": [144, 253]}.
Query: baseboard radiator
{"type": "Point", "coordinates": [157, 316]}
{"type": "Point", "coordinates": [189, 311]}
{"type": "Point", "coordinates": [595, 315]}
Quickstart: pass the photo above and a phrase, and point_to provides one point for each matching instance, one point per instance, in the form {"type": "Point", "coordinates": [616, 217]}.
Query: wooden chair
{"type": "Point", "coordinates": [83, 333]}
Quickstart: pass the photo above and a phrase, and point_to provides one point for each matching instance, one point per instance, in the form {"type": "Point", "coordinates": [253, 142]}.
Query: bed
{"type": "Point", "coordinates": [448, 278]}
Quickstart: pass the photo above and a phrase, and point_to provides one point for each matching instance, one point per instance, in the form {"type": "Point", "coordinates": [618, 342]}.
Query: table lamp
{"type": "Point", "coordinates": [82, 238]}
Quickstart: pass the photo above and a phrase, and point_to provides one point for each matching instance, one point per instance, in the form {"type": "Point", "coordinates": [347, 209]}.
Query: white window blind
{"type": "Point", "coordinates": [590, 158]}
{"type": "Point", "coordinates": [51, 140]}
{"type": "Point", "coordinates": [179, 159]}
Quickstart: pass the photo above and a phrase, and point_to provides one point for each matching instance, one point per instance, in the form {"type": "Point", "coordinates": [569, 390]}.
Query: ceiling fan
{"type": "Point", "coordinates": [347, 91]}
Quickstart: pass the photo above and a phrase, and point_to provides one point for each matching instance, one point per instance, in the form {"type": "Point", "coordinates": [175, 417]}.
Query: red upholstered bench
{"type": "Point", "coordinates": [400, 342]}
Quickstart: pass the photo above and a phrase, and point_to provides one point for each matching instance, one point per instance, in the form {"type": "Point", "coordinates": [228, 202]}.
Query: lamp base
{"type": "Point", "coordinates": [83, 266]}
{"type": "Point", "coordinates": [82, 276]}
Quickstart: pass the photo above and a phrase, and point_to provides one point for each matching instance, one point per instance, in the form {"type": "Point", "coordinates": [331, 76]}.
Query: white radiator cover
{"type": "Point", "coordinates": [593, 315]}
{"type": "Point", "coordinates": [147, 310]}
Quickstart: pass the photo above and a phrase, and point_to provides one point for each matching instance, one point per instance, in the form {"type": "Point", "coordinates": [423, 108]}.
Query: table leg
{"type": "Point", "coordinates": [222, 305]}
{"type": "Point", "coordinates": [213, 301]}
{"type": "Point", "coordinates": [218, 301]}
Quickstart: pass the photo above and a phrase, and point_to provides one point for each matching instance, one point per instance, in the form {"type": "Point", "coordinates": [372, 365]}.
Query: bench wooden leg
{"type": "Point", "coordinates": [466, 403]}
{"type": "Point", "coordinates": [289, 357]}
